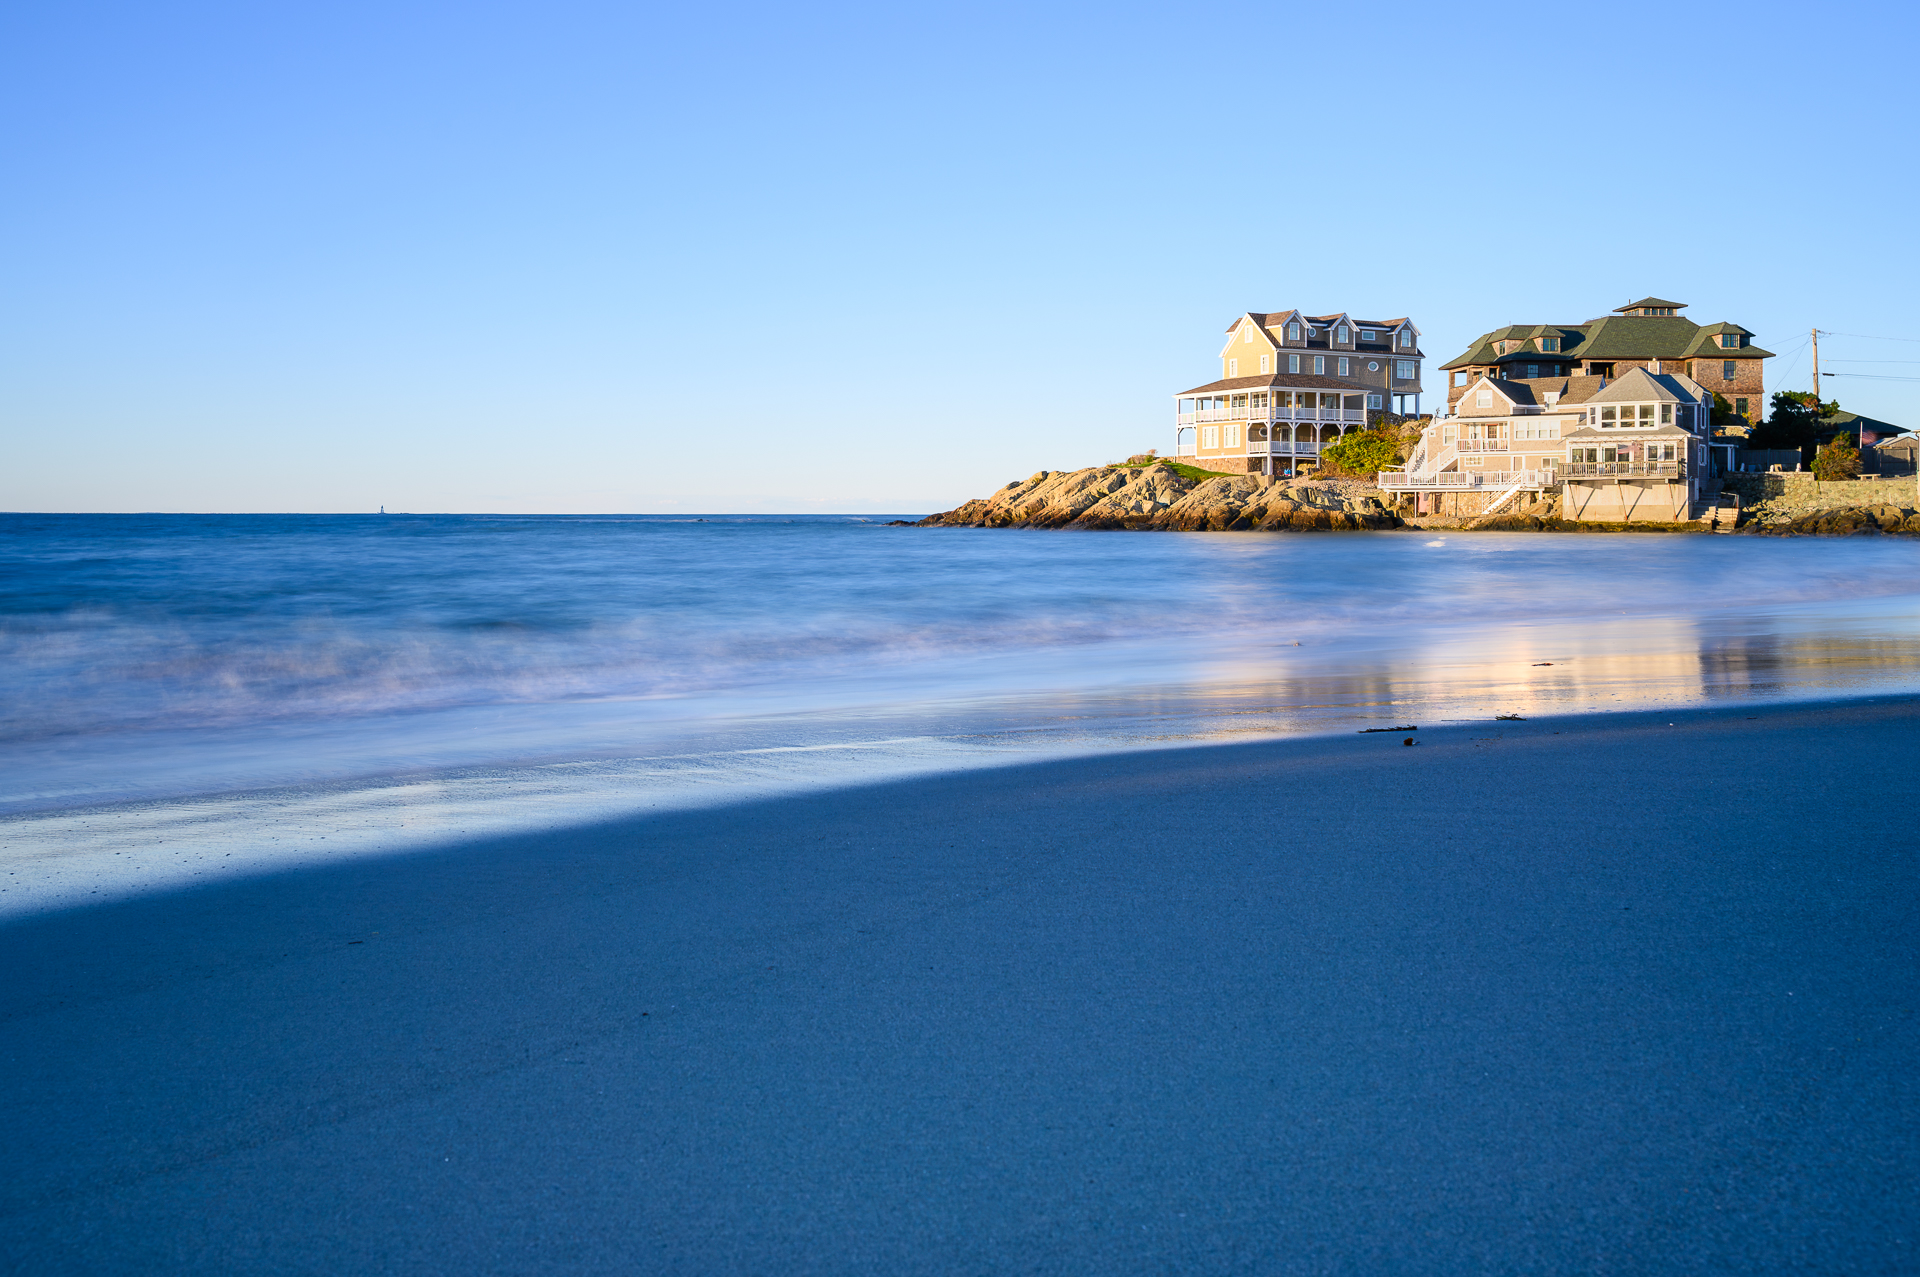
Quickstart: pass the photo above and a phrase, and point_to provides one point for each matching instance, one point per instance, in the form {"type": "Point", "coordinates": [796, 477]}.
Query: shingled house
{"type": "Point", "coordinates": [1631, 448]}
{"type": "Point", "coordinates": [1291, 383]}
{"type": "Point", "coordinates": [1649, 334]}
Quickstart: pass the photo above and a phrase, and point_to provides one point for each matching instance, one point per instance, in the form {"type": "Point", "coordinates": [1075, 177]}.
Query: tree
{"type": "Point", "coordinates": [1838, 460]}
{"type": "Point", "coordinates": [1362, 454]}
{"type": "Point", "coordinates": [1795, 422]}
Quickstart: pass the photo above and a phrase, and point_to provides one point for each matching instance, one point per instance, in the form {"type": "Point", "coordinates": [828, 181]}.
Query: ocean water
{"type": "Point", "coordinates": [189, 696]}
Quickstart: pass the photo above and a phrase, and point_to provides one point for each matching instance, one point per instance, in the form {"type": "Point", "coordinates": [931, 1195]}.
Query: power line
{"type": "Point", "coordinates": [1873, 337]}
{"type": "Point", "coordinates": [1870, 376]}
{"type": "Point", "coordinates": [1874, 361]}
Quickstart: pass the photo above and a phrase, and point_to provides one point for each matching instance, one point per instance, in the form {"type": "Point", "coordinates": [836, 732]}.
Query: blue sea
{"type": "Point", "coordinates": [188, 696]}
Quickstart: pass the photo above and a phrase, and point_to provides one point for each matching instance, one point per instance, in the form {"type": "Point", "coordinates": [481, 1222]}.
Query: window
{"type": "Point", "coordinates": [1366, 334]}
{"type": "Point", "coordinates": [1740, 407]}
{"type": "Point", "coordinates": [1607, 418]}
{"type": "Point", "coordinates": [1343, 365]}
{"type": "Point", "coordinates": [1533, 371]}
{"type": "Point", "coordinates": [1233, 367]}
{"type": "Point", "coordinates": [1727, 369]}
{"type": "Point", "coordinates": [1666, 414]}
{"type": "Point", "coordinates": [1246, 334]}
{"type": "Point", "coordinates": [1406, 338]}
{"type": "Point", "coordinates": [1264, 361]}
{"type": "Point", "coordinates": [1486, 399]}
{"type": "Point", "coordinates": [1232, 439]}
{"type": "Point", "coordinates": [1729, 341]}
{"type": "Point", "coordinates": [1293, 363]}
{"type": "Point", "coordinates": [1459, 379]}
{"type": "Point", "coordinates": [1319, 365]}
{"type": "Point", "coordinates": [1373, 365]}
{"type": "Point", "coordinates": [1550, 345]}
{"type": "Point", "coordinates": [1375, 401]}
{"type": "Point", "coordinates": [1646, 415]}
{"type": "Point", "coordinates": [1406, 371]}
{"type": "Point", "coordinates": [1340, 334]}
{"type": "Point", "coordinates": [1293, 332]}
{"type": "Point", "coordinates": [1209, 436]}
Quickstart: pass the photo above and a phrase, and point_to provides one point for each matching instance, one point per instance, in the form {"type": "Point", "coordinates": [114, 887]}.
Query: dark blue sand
{"type": "Point", "coordinates": [1630, 998]}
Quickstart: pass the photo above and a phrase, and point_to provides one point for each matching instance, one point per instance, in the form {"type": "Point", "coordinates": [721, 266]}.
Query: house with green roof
{"type": "Point", "coordinates": [1649, 333]}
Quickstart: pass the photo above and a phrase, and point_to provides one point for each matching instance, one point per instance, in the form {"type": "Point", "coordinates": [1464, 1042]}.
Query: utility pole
{"type": "Point", "coordinates": [1816, 369]}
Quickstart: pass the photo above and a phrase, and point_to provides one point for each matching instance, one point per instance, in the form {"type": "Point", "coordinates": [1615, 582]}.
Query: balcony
{"type": "Point", "coordinates": [1469, 480]}
{"type": "Point", "coordinates": [1480, 445]}
{"type": "Point", "coordinates": [1208, 416]}
{"type": "Point", "coordinates": [1281, 448]}
{"type": "Point", "coordinates": [1620, 470]}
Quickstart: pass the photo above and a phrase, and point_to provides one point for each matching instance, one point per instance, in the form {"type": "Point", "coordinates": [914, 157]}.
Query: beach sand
{"type": "Point", "coordinates": [1594, 994]}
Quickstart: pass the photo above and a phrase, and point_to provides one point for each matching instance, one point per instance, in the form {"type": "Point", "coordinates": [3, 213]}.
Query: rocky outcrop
{"type": "Point", "coordinates": [1871, 520]}
{"type": "Point", "coordinates": [1158, 497]}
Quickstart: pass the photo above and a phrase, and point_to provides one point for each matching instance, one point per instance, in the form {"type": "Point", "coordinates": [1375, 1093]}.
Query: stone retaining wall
{"type": "Point", "coordinates": [1804, 490]}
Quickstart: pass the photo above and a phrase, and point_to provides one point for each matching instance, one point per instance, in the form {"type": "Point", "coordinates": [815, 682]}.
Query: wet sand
{"type": "Point", "coordinates": [1596, 994]}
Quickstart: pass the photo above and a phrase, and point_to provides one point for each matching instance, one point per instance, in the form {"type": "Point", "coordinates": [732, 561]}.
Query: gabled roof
{"type": "Point", "coordinates": [1518, 394]}
{"type": "Point", "coordinates": [1844, 420]}
{"type": "Point", "coordinates": [1611, 337]}
{"type": "Point", "coordinates": [1571, 390]}
{"type": "Point", "coordinates": [1649, 301]}
{"type": "Point", "coordinates": [1637, 385]}
{"type": "Point", "coordinates": [1282, 381]}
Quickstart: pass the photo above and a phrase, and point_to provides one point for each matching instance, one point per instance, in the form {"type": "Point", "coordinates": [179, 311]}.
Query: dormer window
{"type": "Point", "coordinates": [1293, 332]}
{"type": "Point", "coordinates": [1340, 334]}
{"type": "Point", "coordinates": [1406, 338]}
{"type": "Point", "coordinates": [1366, 334]}
{"type": "Point", "coordinates": [1551, 345]}
{"type": "Point", "coordinates": [1729, 341]}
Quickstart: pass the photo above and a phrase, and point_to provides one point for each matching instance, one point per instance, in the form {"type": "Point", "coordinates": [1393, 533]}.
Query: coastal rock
{"type": "Point", "coordinates": [1872, 520]}
{"type": "Point", "coordinates": [1158, 497]}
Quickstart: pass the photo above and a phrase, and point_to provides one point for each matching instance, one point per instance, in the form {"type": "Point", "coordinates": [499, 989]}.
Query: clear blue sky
{"type": "Point", "coordinates": [589, 256]}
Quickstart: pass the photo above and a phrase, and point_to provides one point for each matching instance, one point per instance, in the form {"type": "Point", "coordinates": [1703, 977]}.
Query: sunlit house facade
{"type": "Point", "coordinates": [1292, 383]}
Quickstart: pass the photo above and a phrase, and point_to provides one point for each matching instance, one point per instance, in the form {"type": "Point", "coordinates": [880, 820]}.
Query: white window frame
{"type": "Point", "coordinates": [1342, 335]}
{"type": "Point", "coordinates": [1230, 437]}
{"type": "Point", "coordinates": [1293, 363]}
{"type": "Point", "coordinates": [1233, 367]}
{"type": "Point", "coordinates": [1484, 399]}
{"type": "Point", "coordinates": [1264, 361]}
{"type": "Point", "coordinates": [1366, 334]}
{"type": "Point", "coordinates": [1376, 401]}
{"type": "Point", "coordinates": [1407, 370]}
{"type": "Point", "coordinates": [1343, 366]}
{"type": "Point", "coordinates": [1246, 334]}
{"type": "Point", "coordinates": [1210, 437]}
{"type": "Point", "coordinates": [1319, 365]}
{"type": "Point", "coordinates": [1293, 332]}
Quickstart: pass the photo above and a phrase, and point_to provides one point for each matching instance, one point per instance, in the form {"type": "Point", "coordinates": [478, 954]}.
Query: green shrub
{"type": "Point", "coordinates": [1838, 460]}
{"type": "Point", "coordinates": [1361, 455]}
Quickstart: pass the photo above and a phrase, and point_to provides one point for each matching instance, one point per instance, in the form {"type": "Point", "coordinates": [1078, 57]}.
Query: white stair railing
{"type": "Point", "coordinates": [1504, 497]}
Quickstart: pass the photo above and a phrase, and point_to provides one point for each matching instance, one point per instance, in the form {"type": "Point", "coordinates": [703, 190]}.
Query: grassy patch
{"type": "Point", "coordinates": [1194, 473]}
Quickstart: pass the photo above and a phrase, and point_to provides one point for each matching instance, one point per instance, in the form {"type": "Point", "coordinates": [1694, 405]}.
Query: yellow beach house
{"type": "Point", "coordinates": [1290, 384]}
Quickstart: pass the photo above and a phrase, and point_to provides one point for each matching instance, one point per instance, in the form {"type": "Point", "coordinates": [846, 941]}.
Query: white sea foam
{"type": "Point", "coordinates": [238, 698]}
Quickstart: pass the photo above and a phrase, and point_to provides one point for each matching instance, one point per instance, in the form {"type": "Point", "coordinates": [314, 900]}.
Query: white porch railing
{"type": "Point", "coordinates": [1281, 448]}
{"type": "Point", "coordinates": [1403, 481]}
{"type": "Point", "coordinates": [1209, 415]}
{"type": "Point", "coordinates": [1620, 470]}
